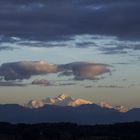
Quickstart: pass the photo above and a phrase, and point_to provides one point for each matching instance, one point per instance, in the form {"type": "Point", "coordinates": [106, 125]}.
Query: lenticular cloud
{"type": "Point", "coordinates": [26, 69]}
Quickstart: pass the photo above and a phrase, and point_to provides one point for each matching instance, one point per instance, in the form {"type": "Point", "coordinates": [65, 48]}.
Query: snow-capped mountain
{"type": "Point", "coordinates": [105, 105]}
{"type": "Point", "coordinates": [78, 102]}
{"type": "Point", "coordinates": [61, 100]}
{"type": "Point", "coordinates": [83, 114]}
{"type": "Point", "coordinates": [121, 108]}
{"type": "Point", "coordinates": [64, 100]}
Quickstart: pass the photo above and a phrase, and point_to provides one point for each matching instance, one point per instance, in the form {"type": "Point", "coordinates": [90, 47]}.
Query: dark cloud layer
{"type": "Point", "coordinates": [61, 19]}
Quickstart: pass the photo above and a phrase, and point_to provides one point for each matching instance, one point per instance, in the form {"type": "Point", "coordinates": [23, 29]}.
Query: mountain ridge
{"type": "Point", "coordinates": [65, 100]}
{"type": "Point", "coordinates": [83, 114]}
{"type": "Point", "coordinates": [59, 109]}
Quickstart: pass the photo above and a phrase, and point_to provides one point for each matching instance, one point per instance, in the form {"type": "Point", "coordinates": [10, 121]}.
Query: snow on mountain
{"type": "Point", "coordinates": [64, 100]}
{"type": "Point", "coordinates": [78, 102]}
{"type": "Point", "coordinates": [34, 104]}
{"type": "Point", "coordinates": [105, 105]}
{"type": "Point", "coordinates": [61, 100]}
{"type": "Point", "coordinates": [121, 108]}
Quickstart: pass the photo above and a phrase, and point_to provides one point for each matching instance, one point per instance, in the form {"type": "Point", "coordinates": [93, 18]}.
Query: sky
{"type": "Point", "coordinates": [86, 49]}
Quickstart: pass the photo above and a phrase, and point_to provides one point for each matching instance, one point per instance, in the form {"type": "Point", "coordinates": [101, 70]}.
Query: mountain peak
{"type": "Point", "coordinates": [121, 108]}
{"type": "Point", "coordinates": [61, 100]}
{"type": "Point", "coordinates": [65, 100]}
{"type": "Point", "coordinates": [105, 105]}
{"type": "Point", "coordinates": [78, 102]}
{"type": "Point", "coordinates": [62, 96]}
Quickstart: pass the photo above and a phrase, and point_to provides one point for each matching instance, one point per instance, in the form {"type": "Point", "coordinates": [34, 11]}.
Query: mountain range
{"type": "Point", "coordinates": [74, 110]}
{"type": "Point", "coordinates": [65, 100]}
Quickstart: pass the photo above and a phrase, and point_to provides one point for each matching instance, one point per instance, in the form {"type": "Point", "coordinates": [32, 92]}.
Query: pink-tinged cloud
{"type": "Point", "coordinates": [86, 70]}
{"type": "Point", "coordinates": [26, 69]}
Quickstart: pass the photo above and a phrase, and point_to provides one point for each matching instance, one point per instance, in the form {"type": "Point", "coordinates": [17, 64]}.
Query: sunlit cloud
{"type": "Point", "coordinates": [26, 69]}
{"type": "Point", "coordinates": [84, 70]}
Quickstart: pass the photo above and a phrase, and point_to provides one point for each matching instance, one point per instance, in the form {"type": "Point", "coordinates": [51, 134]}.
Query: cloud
{"type": "Point", "coordinates": [8, 43]}
{"type": "Point", "coordinates": [40, 82]}
{"type": "Point", "coordinates": [110, 86]}
{"type": "Point", "coordinates": [12, 84]}
{"type": "Point", "coordinates": [84, 70]}
{"type": "Point", "coordinates": [67, 84]}
{"type": "Point", "coordinates": [5, 48]}
{"type": "Point", "coordinates": [85, 44]}
{"type": "Point", "coordinates": [25, 69]}
{"type": "Point", "coordinates": [137, 47]}
{"type": "Point", "coordinates": [122, 63]}
{"type": "Point", "coordinates": [113, 51]}
{"type": "Point", "coordinates": [59, 20]}
{"type": "Point", "coordinates": [117, 47]}
{"type": "Point", "coordinates": [89, 86]}
{"type": "Point", "coordinates": [66, 72]}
